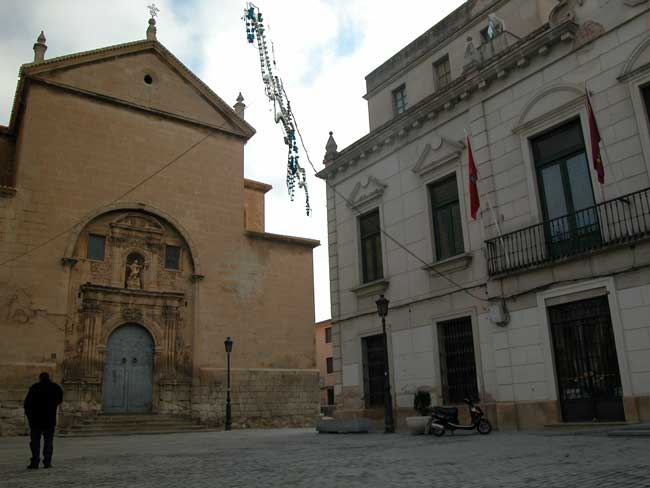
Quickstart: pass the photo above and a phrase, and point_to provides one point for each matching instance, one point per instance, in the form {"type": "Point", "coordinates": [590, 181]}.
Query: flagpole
{"type": "Point", "coordinates": [625, 205]}
{"type": "Point", "coordinates": [602, 145]}
{"type": "Point", "coordinates": [490, 207]}
{"type": "Point", "coordinates": [494, 217]}
{"type": "Point", "coordinates": [491, 210]}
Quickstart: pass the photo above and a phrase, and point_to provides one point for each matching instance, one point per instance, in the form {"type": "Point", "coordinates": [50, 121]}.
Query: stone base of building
{"type": "Point", "coordinates": [13, 388]}
{"type": "Point", "coordinates": [261, 397]}
{"type": "Point", "coordinates": [504, 416]}
{"type": "Point", "coordinates": [537, 415]}
{"type": "Point", "coordinates": [264, 398]}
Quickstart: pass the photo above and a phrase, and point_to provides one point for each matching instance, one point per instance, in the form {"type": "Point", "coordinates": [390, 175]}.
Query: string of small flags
{"type": "Point", "coordinates": [274, 89]}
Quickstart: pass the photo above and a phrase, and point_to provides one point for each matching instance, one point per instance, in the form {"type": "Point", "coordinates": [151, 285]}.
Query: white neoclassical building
{"type": "Point", "coordinates": [540, 307]}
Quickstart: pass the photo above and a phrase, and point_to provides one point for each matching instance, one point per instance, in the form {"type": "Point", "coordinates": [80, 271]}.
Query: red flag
{"type": "Point", "coordinates": [474, 202]}
{"type": "Point", "coordinates": [594, 135]}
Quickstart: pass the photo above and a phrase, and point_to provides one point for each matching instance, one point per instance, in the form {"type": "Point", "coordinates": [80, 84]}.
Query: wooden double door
{"type": "Point", "coordinates": [128, 371]}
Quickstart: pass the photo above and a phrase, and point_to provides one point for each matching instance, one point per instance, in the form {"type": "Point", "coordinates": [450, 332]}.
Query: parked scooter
{"type": "Point", "coordinates": [446, 418]}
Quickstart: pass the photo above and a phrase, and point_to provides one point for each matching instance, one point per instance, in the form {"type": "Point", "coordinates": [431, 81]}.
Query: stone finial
{"type": "Point", "coordinates": [240, 106]}
{"type": "Point", "coordinates": [151, 30]}
{"type": "Point", "coordinates": [330, 150]}
{"type": "Point", "coordinates": [39, 48]}
{"type": "Point", "coordinates": [472, 56]}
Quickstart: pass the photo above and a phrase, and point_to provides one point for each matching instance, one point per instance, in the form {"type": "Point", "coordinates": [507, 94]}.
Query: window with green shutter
{"type": "Point", "coordinates": [445, 211]}
{"type": "Point", "coordinates": [370, 236]}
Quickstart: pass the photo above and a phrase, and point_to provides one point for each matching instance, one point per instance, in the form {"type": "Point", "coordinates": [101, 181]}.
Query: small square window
{"type": "Point", "coordinates": [329, 365]}
{"type": "Point", "coordinates": [172, 257]}
{"type": "Point", "coordinates": [330, 396]}
{"type": "Point", "coordinates": [399, 99]}
{"type": "Point", "coordinates": [96, 246]}
{"type": "Point", "coordinates": [442, 72]}
{"type": "Point", "coordinates": [645, 91]}
{"type": "Point", "coordinates": [328, 335]}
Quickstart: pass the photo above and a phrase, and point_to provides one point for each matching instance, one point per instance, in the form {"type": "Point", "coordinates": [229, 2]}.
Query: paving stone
{"type": "Point", "coordinates": [301, 457]}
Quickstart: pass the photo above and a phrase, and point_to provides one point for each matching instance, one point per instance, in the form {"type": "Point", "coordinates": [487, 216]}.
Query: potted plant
{"type": "Point", "coordinates": [422, 405]}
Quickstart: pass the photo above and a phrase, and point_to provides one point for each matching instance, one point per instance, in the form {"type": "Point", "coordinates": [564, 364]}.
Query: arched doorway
{"type": "Point", "coordinates": [128, 370]}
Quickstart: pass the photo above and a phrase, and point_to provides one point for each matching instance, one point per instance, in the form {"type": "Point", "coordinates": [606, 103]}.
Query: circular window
{"type": "Point", "coordinates": [148, 79]}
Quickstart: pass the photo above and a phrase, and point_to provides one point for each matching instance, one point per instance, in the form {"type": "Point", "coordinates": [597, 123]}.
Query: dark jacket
{"type": "Point", "coordinates": [41, 403]}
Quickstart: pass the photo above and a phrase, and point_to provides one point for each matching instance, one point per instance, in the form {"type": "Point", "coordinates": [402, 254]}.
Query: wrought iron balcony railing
{"type": "Point", "coordinates": [622, 220]}
{"type": "Point", "coordinates": [501, 42]}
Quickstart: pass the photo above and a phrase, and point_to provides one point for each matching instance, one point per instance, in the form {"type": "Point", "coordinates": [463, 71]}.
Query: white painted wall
{"type": "Point", "coordinates": [515, 362]}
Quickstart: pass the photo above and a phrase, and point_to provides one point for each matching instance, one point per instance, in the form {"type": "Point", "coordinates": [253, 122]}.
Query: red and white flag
{"type": "Point", "coordinates": [594, 135]}
{"type": "Point", "coordinates": [474, 201]}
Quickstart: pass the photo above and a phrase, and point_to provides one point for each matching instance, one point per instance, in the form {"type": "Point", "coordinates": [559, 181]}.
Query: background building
{"type": "Point", "coordinates": [539, 307]}
{"type": "Point", "coordinates": [132, 246]}
{"type": "Point", "coordinates": [325, 364]}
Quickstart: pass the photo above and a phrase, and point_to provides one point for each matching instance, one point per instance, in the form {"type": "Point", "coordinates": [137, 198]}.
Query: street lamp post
{"type": "Point", "coordinates": [228, 344]}
{"type": "Point", "coordinates": [389, 424]}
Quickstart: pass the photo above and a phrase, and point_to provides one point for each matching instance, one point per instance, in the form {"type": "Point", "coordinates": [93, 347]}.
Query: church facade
{"type": "Point", "coordinates": [132, 246]}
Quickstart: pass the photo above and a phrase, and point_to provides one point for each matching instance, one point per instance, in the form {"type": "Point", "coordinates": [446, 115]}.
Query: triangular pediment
{"type": "Point", "coordinates": [436, 153]}
{"type": "Point", "coordinates": [366, 192]}
{"type": "Point", "coordinates": [639, 61]}
{"type": "Point", "coordinates": [139, 222]}
{"type": "Point", "coordinates": [142, 74]}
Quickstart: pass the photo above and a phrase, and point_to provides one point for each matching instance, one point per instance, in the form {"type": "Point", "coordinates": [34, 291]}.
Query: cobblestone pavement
{"type": "Point", "coordinates": [300, 457]}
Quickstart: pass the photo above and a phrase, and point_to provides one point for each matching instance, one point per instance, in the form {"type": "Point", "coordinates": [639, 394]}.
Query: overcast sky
{"type": "Point", "coordinates": [324, 49]}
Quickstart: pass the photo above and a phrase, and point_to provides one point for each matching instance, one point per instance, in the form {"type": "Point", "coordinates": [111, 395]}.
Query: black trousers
{"type": "Point", "coordinates": [35, 443]}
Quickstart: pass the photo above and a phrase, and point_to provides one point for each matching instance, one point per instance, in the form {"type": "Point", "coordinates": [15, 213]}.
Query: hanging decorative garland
{"type": "Point", "coordinates": [274, 90]}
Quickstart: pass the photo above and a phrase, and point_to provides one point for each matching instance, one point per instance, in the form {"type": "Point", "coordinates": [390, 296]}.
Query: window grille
{"type": "Point", "coordinates": [457, 361]}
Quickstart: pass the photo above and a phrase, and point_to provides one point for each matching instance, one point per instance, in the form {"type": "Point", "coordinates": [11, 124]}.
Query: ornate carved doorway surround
{"type": "Point", "coordinates": [128, 268]}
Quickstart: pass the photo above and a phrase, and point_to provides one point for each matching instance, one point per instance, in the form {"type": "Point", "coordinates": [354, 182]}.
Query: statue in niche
{"type": "Point", "coordinates": [134, 266]}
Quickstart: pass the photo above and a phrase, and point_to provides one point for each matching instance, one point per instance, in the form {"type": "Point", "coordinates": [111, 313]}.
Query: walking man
{"type": "Point", "coordinates": [40, 405]}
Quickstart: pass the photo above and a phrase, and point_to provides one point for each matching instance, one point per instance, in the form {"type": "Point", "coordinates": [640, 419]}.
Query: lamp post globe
{"type": "Point", "coordinates": [389, 423]}
{"type": "Point", "coordinates": [382, 306]}
{"type": "Point", "coordinates": [228, 344]}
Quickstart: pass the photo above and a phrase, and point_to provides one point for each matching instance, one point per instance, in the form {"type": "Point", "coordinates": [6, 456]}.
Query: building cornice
{"type": "Point", "coordinates": [257, 185]}
{"type": "Point", "coordinates": [536, 44]}
{"type": "Point", "coordinates": [104, 289]}
{"type": "Point", "coordinates": [436, 38]}
{"type": "Point", "coordinates": [295, 241]}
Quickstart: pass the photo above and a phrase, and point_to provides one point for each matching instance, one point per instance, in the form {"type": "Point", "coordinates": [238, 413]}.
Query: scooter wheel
{"type": "Point", "coordinates": [437, 431]}
{"type": "Point", "coordinates": [484, 427]}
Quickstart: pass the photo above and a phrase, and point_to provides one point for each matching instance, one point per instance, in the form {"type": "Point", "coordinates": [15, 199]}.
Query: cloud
{"type": "Point", "coordinates": [324, 49]}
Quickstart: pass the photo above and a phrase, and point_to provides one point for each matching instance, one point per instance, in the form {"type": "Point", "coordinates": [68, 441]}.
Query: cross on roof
{"type": "Point", "coordinates": [153, 10]}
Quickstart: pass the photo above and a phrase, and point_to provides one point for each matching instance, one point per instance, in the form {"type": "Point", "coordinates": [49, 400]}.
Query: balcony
{"type": "Point", "coordinates": [622, 220]}
{"type": "Point", "coordinates": [502, 41]}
